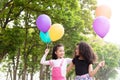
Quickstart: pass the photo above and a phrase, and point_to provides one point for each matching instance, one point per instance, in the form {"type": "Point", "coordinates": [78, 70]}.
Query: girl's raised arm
{"type": "Point", "coordinates": [43, 59]}
{"type": "Point", "coordinates": [93, 72]}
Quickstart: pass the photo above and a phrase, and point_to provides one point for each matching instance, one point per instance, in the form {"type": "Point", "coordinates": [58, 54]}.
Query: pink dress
{"type": "Point", "coordinates": [58, 67]}
{"type": "Point", "coordinates": [56, 72]}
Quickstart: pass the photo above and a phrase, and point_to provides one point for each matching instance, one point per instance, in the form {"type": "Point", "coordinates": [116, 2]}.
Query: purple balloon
{"type": "Point", "coordinates": [43, 22]}
{"type": "Point", "coordinates": [101, 26]}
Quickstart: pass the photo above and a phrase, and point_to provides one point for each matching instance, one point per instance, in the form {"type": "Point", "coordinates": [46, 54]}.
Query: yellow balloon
{"type": "Point", "coordinates": [56, 32]}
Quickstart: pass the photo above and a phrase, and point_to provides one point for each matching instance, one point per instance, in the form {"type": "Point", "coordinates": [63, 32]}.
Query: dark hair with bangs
{"type": "Point", "coordinates": [55, 48]}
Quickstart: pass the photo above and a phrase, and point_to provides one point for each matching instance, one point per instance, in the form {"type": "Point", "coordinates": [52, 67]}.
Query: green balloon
{"type": "Point", "coordinates": [45, 37]}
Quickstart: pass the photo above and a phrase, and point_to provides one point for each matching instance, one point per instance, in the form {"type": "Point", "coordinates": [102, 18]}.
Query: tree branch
{"type": "Point", "coordinates": [8, 16]}
{"type": "Point", "coordinates": [6, 5]}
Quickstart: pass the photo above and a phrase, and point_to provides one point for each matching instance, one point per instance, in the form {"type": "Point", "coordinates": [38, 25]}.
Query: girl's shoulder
{"type": "Point", "coordinates": [68, 58]}
{"type": "Point", "coordinates": [53, 60]}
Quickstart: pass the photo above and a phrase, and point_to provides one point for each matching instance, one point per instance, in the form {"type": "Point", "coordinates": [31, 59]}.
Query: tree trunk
{"type": "Point", "coordinates": [32, 73]}
{"type": "Point", "coordinates": [25, 49]}
{"type": "Point", "coordinates": [34, 59]}
{"type": "Point", "coordinates": [42, 68]}
{"type": "Point", "coordinates": [47, 73]}
{"type": "Point", "coordinates": [32, 70]}
{"type": "Point", "coordinates": [15, 65]}
{"type": "Point", "coordinates": [24, 71]}
{"type": "Point", "coordinates": [10, 73]}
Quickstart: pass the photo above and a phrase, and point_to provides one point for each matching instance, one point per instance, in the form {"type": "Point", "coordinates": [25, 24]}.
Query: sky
{"type": "Point", "coordinates": [114, 33]}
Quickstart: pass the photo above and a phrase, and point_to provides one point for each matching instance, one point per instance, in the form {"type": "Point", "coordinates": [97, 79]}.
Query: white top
{"type": "Point", "coordinates": [56, 63]}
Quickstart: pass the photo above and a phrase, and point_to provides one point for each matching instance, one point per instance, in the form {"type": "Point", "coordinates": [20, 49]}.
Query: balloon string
{"type": "Point", "coordinates": [103, 59]}
{"type": "Point", "coordinates": [47, 45]}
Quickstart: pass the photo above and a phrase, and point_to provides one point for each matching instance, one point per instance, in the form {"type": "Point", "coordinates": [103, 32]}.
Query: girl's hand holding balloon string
{"type": "Point", "coordinates": [47, 51]}
{"type": "Point", "coordinates": [101, 64]}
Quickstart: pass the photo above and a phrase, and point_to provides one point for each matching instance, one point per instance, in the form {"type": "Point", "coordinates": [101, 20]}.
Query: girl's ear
{"type": "Point", "coordinates": [55, 52]}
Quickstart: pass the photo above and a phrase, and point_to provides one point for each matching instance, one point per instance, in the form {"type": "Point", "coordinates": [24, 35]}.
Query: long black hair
{"type": "Point", "coordinates": [86, 51]}
{"type": "Point", "coordinates": [55, 48]}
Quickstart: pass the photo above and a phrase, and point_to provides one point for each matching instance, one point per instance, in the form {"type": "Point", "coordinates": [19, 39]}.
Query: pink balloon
{"type": "Point", "coordinates": [101, 26]}
{"type": "Point", "coordinates": [43, 22]}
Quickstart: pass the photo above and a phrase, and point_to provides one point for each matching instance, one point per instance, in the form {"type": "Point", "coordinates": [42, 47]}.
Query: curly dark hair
{"type": "Point", "coordinates": [86, 51]}
{"type": "Point", "coordinates": [55, 48]}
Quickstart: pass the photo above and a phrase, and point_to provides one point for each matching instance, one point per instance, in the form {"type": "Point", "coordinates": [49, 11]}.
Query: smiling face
{"type": "Point", "coordinates": [60, 52]}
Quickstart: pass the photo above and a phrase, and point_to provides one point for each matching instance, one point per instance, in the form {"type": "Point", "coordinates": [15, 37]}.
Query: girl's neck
{"type": "Point", "coordinates": [60, 58]}
{"type": "Point", "coordinates": [81, 58]}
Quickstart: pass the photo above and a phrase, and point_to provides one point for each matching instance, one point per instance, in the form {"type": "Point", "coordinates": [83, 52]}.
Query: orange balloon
{"type": "Point", "coordinates": [103, 10]}
{"type": "Point", "coordinates": [56, 31]}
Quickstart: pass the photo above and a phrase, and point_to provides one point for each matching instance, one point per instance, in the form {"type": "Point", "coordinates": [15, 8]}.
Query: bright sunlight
{"type": "Point", "coordinates": [113, 34]}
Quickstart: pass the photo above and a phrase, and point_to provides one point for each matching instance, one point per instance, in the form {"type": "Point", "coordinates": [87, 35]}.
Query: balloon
{"type": "Point", "coordinates": [56, 31]}
{"type": "Point", "coordinates": [45, 37]}
{"type": "Point", "coordinates": [103, 10]}
{"type": "Point", "coordinates": [101, 26]}
{"type": "Point", "coordinates": [43, 23]}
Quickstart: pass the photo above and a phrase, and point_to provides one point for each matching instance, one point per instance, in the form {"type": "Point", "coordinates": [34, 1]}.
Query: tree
{"type": "Point", "coordinates": [111, 54]}
{"type": "Point", "coordinates": [20, 36]}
